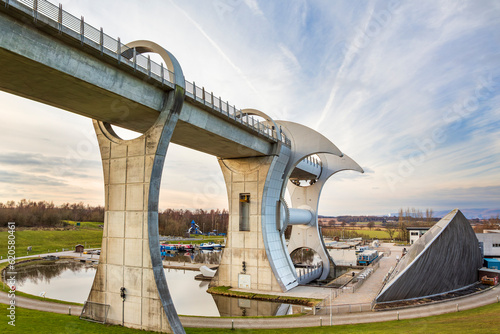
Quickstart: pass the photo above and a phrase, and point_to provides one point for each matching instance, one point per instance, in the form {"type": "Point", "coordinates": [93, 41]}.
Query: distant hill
{"type": "Point", "coordinates": [469, 213]}
{"type": "Point", "coordinates": [472, 213]}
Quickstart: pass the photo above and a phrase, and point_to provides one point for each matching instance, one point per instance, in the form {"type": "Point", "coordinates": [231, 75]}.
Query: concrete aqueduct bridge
{"type": "Point", "coordinates": [52, 57]}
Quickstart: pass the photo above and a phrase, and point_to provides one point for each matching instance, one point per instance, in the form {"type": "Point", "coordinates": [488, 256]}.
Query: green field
{"type": "Point", "coordinates": [481, 320]}
{"type": "Point", "coordinates": [372, 234]}
{"type": "Point", "coordinates": [43, 241]}
{"type": "Point", "coordinates": [88, 233]}
{"type": "Point", "coordinates": [87, 225]}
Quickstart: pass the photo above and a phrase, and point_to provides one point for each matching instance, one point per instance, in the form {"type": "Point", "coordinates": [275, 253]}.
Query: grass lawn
{"type": "Point", "coordinates": [47, 240]}
{"type": "Point", "coordinates": [88, 225]}
{"type": "Point", "coordinates": [371, 233]}
{"type": "Point", "coordinates": [481, 320]}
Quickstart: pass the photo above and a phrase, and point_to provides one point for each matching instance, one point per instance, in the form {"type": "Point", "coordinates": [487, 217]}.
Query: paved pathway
{"type": "Point", "coordinates": [473, 301]}
{"type": "Point", "coordinates": [470, 302]}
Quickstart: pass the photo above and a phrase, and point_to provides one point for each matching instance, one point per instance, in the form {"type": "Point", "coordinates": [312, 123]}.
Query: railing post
{"type": "Point", "coordinates": [59, 18]}
{"type": "Point", "coordinates": [149, 66]}
{"type": "Point", "coordinates": [194, 90]}
{"type": "Point", "coordinates": [82, 29]}
{"type": "Point", "coordinates": [162, 74]}
{"type": "Point", "coordinates": [118, 50]}
{"type": "Point", "coordinates": [203, 94]}
{"type": "Point", "coordinates": [35, 10]}
{"type": "Point", "coordinates": [101, 41]}
{"type": "Point", "coordinates": [212, 98]}
{"type": "Point", "coordinates": [220, 104]}
{"type": "Point", "coordinates": [134, 55]}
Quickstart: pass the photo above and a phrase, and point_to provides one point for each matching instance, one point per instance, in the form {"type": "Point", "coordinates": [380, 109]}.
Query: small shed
{"type": "Point", "coordinates": [79, 249]}
{"type": "Point", "coordinates": [489, 276]}
{"type": "Point", "coordinates": [492, 263]}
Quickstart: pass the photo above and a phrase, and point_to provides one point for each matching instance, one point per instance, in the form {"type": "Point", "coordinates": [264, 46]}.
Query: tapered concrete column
{"type": "Point", "coordinates": [130, 254]}
{"type": "Point", "coordinates": [255, 256]}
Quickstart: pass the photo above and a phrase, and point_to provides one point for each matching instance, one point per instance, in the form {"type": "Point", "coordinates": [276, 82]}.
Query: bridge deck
{"type": "Point", "coordinates": [75, 67]}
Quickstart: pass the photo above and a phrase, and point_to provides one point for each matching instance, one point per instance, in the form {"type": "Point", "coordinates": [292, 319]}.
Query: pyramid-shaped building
{"type": "Point", "coordinates": [445, 258]}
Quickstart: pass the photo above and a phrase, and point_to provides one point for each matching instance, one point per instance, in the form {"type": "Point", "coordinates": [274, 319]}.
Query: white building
{"type": "Point", "coordinates": [416, 232]}
{"type": "Point", "coordinates": [490, 241]}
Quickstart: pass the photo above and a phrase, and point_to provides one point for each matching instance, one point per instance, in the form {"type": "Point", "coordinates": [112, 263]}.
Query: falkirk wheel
{"type": "Point", "coordinates": [256, 255]}
{"type": "Point", "coordinates": [130, 286]}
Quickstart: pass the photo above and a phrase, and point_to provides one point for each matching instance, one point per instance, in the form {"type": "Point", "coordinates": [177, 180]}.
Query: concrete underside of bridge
{"type": "Point", "coordinates": [62, 73]}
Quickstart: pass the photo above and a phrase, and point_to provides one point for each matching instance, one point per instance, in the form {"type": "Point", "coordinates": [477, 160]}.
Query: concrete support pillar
{"type": "Point", "coordinates": [253, 236]}
{"type": "Point", "coordinates": [130, 254]}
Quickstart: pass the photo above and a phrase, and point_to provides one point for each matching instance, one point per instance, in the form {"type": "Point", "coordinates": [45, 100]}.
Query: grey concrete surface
{"type": "Point", "coordinates": [60, 72]}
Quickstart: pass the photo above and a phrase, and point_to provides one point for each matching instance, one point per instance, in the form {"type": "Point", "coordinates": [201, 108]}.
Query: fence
{"type": "Point", "coordinates": [54, 16]}
{"type": "Point", "coordinates": [343, 308]}
{"type": "Point", "coordinates": [363, 276]}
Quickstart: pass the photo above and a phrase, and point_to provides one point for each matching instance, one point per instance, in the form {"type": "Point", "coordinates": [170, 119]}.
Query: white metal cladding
{"type": "Point", "coordinates": [274, 242]}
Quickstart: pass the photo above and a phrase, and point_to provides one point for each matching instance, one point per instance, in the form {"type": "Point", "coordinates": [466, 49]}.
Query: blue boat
{"type": "Point", "coordinates": [164, 249]}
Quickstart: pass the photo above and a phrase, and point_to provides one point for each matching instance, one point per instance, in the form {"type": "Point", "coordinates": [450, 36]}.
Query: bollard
{"type": "Point", "coordinates": [398, 315]}
{"type": "Point", "coordinates": [457, 307]}
{"type": "Point", "coordinates": [232, 324]}
{"type": "Point", "coordinates": [320, 322]}
{"type": "Point", "coordinates": [69, 310]}
{"type": "Point", "coordinates": [498, 299]}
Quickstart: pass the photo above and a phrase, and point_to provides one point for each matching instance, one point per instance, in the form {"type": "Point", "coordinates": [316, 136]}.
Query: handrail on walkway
{"type": "Point", "coordinates": [97, 39]}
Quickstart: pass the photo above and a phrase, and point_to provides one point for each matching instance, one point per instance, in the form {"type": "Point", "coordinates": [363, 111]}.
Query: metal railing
{"type": "Point", "coordinates": [362, 277]}
{"type": "Point", "coordinates": [309, 273]}
{"type": "Point", "coordinates": [46, 12]}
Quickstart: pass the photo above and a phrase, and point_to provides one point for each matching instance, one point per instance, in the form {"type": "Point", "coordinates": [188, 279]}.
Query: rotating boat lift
{"type": "Point", "coordinates": [256, 255]}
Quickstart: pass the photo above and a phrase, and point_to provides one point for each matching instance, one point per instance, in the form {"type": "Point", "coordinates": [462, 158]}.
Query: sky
{"type": "Point", "coordinates": [409, 89]}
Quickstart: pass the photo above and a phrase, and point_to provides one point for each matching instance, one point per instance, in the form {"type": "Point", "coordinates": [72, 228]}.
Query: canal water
{"type": "Point", "coordinates": [71, 281]}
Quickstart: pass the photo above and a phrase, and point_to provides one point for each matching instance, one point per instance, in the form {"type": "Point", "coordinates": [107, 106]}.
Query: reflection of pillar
{"type": "Point", "coordinates": [130, 254]}
{"type": "Point", "coordinates": [235, 307]}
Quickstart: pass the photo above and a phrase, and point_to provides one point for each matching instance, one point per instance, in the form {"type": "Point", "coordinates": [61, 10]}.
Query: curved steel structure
{"type": "Point", "coordinates": [307, 142]}
{"type": "Point", "coordinates": [262, 183]}
{"type": "Point", "coordinates": [307, 198]}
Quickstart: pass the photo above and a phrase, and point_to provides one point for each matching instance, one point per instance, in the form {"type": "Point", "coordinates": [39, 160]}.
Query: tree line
{"type": "Point", "coordinates": [44, 214]}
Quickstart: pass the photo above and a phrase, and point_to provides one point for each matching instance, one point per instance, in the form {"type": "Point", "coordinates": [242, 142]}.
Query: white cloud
{"type": "Point", "coordinates": [376, 91]}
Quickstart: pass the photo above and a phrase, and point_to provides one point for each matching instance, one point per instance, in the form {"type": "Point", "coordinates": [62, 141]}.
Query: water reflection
{"type": "Point", "coordinates": [71, 281]}
{"type": "Point", "coordinates": [240, 307]}
{"type": "Point", "coordinates": [44, 271]}
{"type": "Point", "coordinates": [64, 280]}
{"type": "Point", "coordinates": [198, 256]}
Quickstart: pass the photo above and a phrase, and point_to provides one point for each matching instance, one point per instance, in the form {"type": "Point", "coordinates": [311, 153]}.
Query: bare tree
{"type": "Point", "coordinates": [370, 224]}
{"type": "Point", "coordinates": [391, 229]}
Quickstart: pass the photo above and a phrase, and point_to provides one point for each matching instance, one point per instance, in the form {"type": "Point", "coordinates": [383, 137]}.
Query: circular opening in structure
{"type": "Point", "coordinates": [305, 257]}
{"type": "Point", "coordinates": [125, 134]}
{"type": "Point", "coordinates": [307, 171]}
